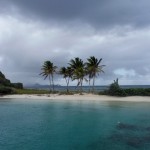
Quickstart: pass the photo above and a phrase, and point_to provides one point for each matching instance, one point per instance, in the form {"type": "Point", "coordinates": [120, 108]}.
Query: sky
{"type": "Point", "coordinates": [33, 31]}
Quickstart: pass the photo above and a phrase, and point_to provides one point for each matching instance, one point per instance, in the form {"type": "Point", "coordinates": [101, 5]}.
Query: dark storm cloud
{"type": "Point", "coordinates": [100, 13]}
{"type": "Point", "coordinates": [32, 31]}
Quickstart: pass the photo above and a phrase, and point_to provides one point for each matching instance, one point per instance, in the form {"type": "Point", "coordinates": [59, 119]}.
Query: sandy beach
{"type": "Point", "coordinates": [78, 97]}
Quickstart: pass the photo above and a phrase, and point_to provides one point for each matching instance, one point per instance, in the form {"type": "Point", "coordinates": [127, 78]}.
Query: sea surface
{"type": "Point", "coordinates": [74, 125]}
{"type": "Point", "coordinates": [86, 88]}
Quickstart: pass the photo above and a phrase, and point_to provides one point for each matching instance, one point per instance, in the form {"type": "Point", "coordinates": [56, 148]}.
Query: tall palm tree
{"type": "Point", "coordinates": [67, 74]}
{"type": "Point", "coordinates": [93, 68]}
{"type": "Point", "coordinates": [78, 71]}
{"type": "Point", "coordinates": [48, 70]}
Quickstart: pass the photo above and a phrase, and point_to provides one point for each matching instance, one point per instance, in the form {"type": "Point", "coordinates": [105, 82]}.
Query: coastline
{"type": "Point", "coordinates": [84, 97]}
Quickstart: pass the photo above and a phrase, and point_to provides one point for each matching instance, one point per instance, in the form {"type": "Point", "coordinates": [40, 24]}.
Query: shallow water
{"type": "Point", "coordinates": [74, 125]}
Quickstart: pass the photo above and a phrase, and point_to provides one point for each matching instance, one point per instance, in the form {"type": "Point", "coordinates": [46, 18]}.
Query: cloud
{"type": "Point", "coordinates": [101, 14]}
{"type": "Point", "coordinates": [34, 31]}
{"type": "Point", "coordinates": [125, 73]}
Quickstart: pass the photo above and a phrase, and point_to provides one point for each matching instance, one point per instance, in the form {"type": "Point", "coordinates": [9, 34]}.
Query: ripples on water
{"type": "Point", "coordinates": [77, 125]}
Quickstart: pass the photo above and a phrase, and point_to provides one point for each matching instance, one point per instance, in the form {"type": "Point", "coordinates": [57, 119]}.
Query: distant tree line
{"type": "Point", "coordinates": [76, 70]}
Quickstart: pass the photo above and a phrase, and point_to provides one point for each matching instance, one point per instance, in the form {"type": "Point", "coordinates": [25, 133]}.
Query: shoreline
{"type": "Point", "coordinates": [75, 97]}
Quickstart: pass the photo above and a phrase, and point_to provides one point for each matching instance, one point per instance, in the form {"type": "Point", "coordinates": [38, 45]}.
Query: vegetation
{"type": "Point", "coordinates": [48, 70]}
{"type": "Point", "coordinates": [115, 90]}
{"type": "Point", "coordinates": [137, 92]}
{"type": "Point", "coordinates": [30, 91]}
{"type": "Point", "coordinates": [6, 87]}
{"type": "Point", "coordinates": [7, 83]}
{"type": "Point", "coordinates": [67, 74]}
{"type": "Point", "coordinates": [77, 70]}
{"type": "Point", "coordinates": [6, 90]}
{"type": "Point", "coordinates": [93, 68]}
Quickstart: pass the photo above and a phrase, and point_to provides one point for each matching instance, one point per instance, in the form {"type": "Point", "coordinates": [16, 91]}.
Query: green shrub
{"type": "Point", "coordinates": [17, 85]}
{"type": "Point", "coordinates": [115, 90]}
{"type": "Point", "coordinates": [137, 92]}
{"type": "Point", "coordinates": [5, 90]}
{"type": "Point", "coordinates": [30, 91]}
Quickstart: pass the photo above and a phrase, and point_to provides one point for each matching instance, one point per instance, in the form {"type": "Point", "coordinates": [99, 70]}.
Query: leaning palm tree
{"type": "Point", "coordinates": [78, 71]}
{"type": "Point", "coordinates": [93, 69]}
{"type": "Point", "coordinates": [67, 74]}
{"type": "Point", "coordinates": [48, 70]}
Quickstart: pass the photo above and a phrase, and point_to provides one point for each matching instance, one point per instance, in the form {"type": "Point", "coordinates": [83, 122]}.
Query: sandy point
{"type": "Point", "coordinates": [84, 97]}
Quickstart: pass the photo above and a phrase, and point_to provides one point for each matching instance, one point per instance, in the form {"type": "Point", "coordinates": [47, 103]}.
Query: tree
{"type": "Point", "coordinates": [93, 69]}
{"type": "Point", "coordinates": [67, 74]}
{"type": "Point", "coordinates": [48, 70]}
{"type": "Point", "coordinates": [78, 71]}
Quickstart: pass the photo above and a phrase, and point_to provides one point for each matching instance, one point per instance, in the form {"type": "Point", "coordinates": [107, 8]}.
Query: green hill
{"type": "Point", "coordinates": [6, 87]}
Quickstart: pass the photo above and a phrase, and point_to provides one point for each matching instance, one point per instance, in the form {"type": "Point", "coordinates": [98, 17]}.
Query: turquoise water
{"type": "Point", "coordinates": [80, 125]}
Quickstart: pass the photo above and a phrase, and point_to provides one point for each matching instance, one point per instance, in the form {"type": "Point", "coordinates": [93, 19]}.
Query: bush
{"type": "Point", "coordinates": [17, 85]}
{"type": "Point", "coordinates": [5, 90]}
{"type": "Point", "coordinates": [137, 92]}
{"type": "Point", "coordinates": [115, 90]}
{"type": "Point", "coordinates": [30, 91]}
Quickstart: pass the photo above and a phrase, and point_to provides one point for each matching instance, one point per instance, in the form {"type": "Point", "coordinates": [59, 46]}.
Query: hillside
{"type": "Point", "coordinates": [6, 87]}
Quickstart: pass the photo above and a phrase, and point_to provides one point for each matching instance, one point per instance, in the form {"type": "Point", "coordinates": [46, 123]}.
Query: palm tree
{"type": "Point", "coordinates": [93, 68]}
{"type": "Point", "coordinates": [89, 74]}
{"type": "Point", "coordinates": [67, 74]}
{"type": "Point", "coordinates": [78, 71]}
{"type": "Point", "coordinates": [48, 70]}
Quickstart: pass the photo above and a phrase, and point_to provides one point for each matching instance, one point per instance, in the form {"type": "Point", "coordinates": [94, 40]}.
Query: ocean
{"type": "Point", "coordinates": [74, 125]}
{"type": "Point", "coordinates": [86, 88]}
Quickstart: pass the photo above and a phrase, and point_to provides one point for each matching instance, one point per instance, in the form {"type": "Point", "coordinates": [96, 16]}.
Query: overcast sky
{"type": "Point", "coordinates": [32, 31]}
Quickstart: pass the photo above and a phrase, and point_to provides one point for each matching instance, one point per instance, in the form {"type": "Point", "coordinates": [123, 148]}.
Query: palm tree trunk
{"type": "Point", "coordinates": [89, 85]}
{"type": "Point", "coordinates": [93, 83]}
{"type": "Point", "coordinates": [81, 86]}
{"type": "Point", "coordinates": [77, 86]}
{"type": "Point", "coordinates": [53, 82]}
{"type": "Point", "coordinates": [49, 84]}
{"type": "Point", "coordinates": [67, 85]}
{"type": "Point", "coordinates": [67, 82]}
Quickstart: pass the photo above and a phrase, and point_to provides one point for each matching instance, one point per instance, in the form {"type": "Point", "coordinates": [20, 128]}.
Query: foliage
{"type": "Point", "coordinates": [48, 70]}
{"type": "Point", "coordinates": [78, 71]}
{"type": "Point", "coordinates": [5, 90]}
{"type": "Point", "coordinates": [17, 85]}
{"type": "Point", "coordinates": [93, 68]}
{"type": "Point", "coordinates": [115, 90]}
{"type": "Point", "coordinates": [137, 92]}
{"type": "Point", "coordinates": [67, 74]}
{"type": "Point", "coordinates": [30, 91]}
{"type": "Point", "coordinates": [7, 83]}
{"type": "Point", "coordinates": [4, 81]}
{"type": "Point", "coordinates": [6, 87]}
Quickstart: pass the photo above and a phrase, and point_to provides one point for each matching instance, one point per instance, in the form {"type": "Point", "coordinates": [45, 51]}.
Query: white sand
{"type": "Point", "coordinates": [80, 97]}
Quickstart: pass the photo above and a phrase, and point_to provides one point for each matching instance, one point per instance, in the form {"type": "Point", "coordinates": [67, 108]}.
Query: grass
{"type": "Point", "coordinates": [39, 92]}
{"type": "Point", "coordinates": [30, 91]}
